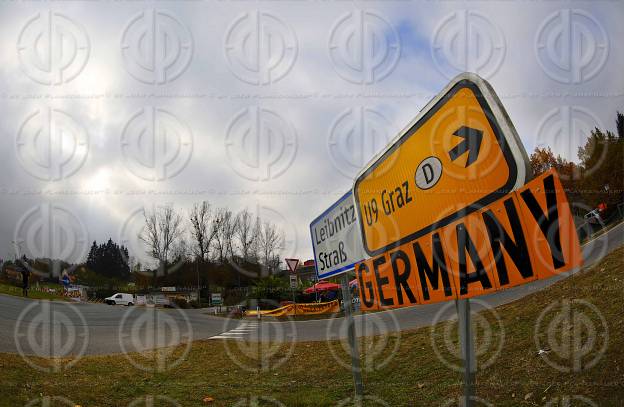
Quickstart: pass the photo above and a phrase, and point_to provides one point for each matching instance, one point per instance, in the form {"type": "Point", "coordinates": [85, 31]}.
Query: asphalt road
{"type": "Point", "coordinates": [47, 328]}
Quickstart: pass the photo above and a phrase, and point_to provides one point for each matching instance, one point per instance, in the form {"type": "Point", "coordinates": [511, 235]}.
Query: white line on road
{"type": "Point", "coordinates": [239, 332]}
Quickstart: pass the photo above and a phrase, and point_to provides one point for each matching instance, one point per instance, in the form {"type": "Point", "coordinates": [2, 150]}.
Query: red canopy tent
{"type": "Point", "coordinates": [322, 286]}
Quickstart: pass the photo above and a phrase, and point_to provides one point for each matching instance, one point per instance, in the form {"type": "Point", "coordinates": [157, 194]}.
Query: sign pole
{"type": "Point", "coordinates": [353, 345]}
{"type": "Point", "coordinates": [292, 267]}
{"type": "Point", "coordinates": [466, 340]}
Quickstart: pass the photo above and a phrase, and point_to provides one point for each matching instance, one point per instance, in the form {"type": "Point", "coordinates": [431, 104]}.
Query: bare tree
{"type": "Point", "coordinates": [270, 242]}
{"type": "Point", "coordinates": [218, 236]}
{"type": "Point", "coordinates": [163, 227]}
{"type": "Point", "coordinates": [228, 229]}
{"type": "Point", "coordinates": [179, 250]}
{"type": "Point", "coordinates": [245, 234]}
{"type": "Point", "coordinates": [203, 229]}
{"type": "Point", "coordinates": [225, 227]}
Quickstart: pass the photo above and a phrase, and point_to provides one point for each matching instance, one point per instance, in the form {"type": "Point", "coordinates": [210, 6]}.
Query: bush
{"type": "Point", "coordinates": [181, 303]}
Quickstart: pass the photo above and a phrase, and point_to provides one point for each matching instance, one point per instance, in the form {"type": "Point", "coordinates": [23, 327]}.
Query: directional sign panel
{"type": "Point", "coordinates": [527, 235]}
{"type": "Point", "coordinates": [460, 154]}
{"type": "Point", "coordinates": [336, 239]}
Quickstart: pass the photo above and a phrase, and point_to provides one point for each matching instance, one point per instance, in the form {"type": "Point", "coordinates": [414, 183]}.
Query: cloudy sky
{"type": "Point", "coordinates": [110, 106]}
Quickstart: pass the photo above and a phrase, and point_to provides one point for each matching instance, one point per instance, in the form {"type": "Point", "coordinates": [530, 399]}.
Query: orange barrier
{"type": "Point", "coordinates": [299, 309]}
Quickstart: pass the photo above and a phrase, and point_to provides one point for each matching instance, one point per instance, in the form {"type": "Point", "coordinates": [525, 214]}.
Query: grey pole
{"type": "Point", "coordinates": [197, 269]}
{"type": "Point", "coordinates": [353, 345]}
{"type": "Point", "coordinates": [466, 340]}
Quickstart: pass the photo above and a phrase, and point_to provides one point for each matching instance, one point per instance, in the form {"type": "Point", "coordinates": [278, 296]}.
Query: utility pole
{"type": "Point", "coordinates": [198, 289]}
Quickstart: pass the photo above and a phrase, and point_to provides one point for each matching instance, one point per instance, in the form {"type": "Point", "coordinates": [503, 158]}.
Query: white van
{"type": "Point", "coordinates": [120, 298]}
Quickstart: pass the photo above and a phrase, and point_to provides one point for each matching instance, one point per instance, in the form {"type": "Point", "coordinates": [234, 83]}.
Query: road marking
{"type": "Point", "coordinates": [240, 332]}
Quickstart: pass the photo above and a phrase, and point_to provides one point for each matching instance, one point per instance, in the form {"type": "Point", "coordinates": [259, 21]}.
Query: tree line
{"type": "Point", "coordinates": [207, 234]}
{"type": "Point", "coordinates": [598, 177]}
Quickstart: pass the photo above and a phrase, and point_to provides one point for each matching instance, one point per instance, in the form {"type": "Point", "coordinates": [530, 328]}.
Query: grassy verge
{"type": "Point", "coordinates": [33, 293]}
{"type": "Point", "coordinates": [404, 368]}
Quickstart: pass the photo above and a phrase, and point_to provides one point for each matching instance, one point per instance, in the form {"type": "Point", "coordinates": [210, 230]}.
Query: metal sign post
{"type": "Point", "coordinates": [353, 345]}
{"type": "Point", "coordinates": [466, 342]}
{"type": "Point", "coordinates": [292, 267]}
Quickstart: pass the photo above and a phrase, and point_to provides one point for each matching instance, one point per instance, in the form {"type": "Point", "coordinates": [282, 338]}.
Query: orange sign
{"type": "Point", "coordinates": [529, 234]}
{"type": "Point", "coordinates": [459, 155]}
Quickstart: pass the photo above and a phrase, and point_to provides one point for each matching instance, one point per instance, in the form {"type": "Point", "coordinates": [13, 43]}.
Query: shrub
{"type": "Point", "coordinates": [180, 303]}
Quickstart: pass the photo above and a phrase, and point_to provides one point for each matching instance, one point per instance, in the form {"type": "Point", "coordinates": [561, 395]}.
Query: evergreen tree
{"type": "Point", "coordinates": [109, 260]}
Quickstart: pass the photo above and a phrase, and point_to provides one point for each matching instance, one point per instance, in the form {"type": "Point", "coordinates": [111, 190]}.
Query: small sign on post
{"type": "Point", "coordinates": [216, 299]}
{"type": "Point", "coordinates": [292, 264]}
{"type": "Point", "coordinates": [293, 281]}
{"type": "Point", "coordinates": [292, 267]}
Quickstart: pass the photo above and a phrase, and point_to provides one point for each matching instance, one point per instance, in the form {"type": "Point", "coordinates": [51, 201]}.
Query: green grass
{"type": "Point", "coordinates": [311, 376]}
{"type": "Point", "coordinates": [9, 289]}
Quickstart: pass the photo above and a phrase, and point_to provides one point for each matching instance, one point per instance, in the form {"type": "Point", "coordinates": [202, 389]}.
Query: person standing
{"type": "Point", "coordinates": [25, 275]}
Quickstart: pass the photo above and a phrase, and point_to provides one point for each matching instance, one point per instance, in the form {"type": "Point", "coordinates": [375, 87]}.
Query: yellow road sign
{"type": "Point", "coordinates": [460, 154]}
